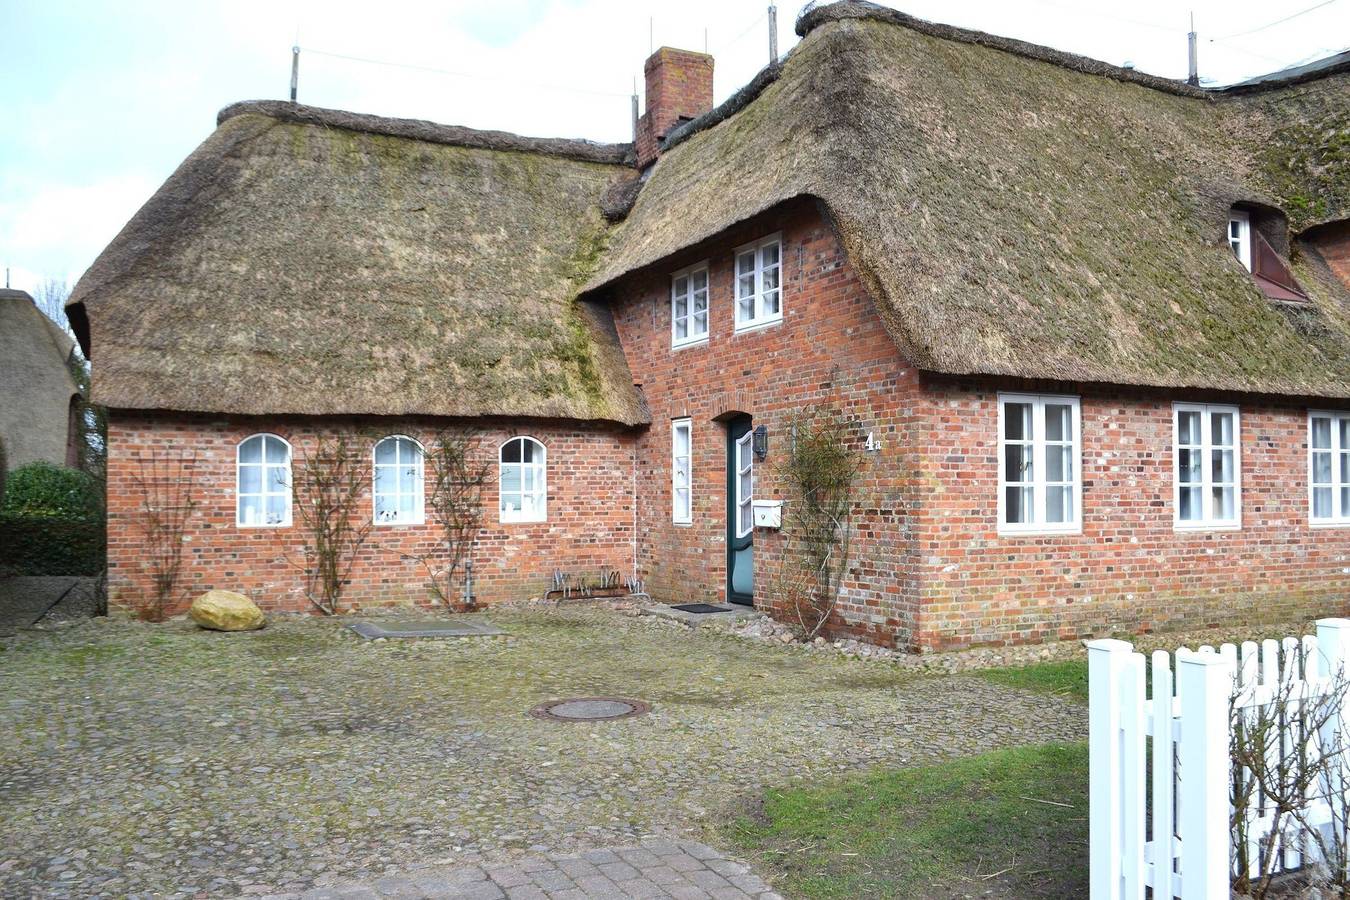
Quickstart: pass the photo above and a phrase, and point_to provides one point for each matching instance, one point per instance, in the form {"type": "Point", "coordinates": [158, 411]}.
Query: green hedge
{"type": "Point", "coordinates": [50, 545]}
{"type": "Point", "coordinates": [43, 489]}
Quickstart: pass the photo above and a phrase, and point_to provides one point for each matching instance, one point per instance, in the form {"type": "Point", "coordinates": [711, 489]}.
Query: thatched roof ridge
{"type": "Point", "coordinates": [432, 132]}
{"type": "Point", "coordinates": [1014, 213]}
{"type": "Point", "coordinates": [297, 266]}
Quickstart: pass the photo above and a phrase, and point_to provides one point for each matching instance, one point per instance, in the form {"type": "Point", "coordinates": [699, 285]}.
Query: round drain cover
{"type": "Point", "coordinates": [589, 709]}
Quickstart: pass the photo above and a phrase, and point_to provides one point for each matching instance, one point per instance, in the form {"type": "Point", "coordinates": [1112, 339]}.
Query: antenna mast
{"type": "Point", "coordinates": [295, 70]}
{"type": "Point", "coordinates": [773, 34]}
{"type": "Point", "coordinates": [1193, 68]}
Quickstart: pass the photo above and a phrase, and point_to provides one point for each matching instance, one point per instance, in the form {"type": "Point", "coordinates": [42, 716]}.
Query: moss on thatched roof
{"type": "Point", "coordinates": [312, 261]}
{"type": "Point", "coordinates": [1018, 211]}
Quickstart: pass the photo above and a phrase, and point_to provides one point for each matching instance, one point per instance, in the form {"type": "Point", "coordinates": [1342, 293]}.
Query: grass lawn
{"type": "Point", "coordinates": [1011, 823]}
{"type": "Point", "coordinates": [1068, 678]}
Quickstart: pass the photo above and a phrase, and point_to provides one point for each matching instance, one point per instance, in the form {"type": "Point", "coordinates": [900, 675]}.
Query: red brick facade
{"type": "Point", "coordinates": [589, 527]}
{"type": "Point", "coordinates": [931, 569]}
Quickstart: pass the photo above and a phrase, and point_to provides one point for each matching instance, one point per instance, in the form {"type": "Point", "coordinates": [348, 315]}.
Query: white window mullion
{"type": "Point", "coordinates": [1038, 466]}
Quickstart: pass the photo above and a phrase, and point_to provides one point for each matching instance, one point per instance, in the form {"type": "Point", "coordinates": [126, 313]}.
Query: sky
{"type": "Point", "coordinates": [100, 101]}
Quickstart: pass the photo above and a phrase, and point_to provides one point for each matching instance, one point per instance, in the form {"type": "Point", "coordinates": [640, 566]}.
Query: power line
{"type": "Point", "coordinates": [470, 75]}
{"type": "Point", "coordinates": [1276, 22]}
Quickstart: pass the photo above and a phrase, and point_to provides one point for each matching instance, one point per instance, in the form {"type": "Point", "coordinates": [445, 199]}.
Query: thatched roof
{"type": "Point", "coordinates": [1023, 212]}
{"type": "Point", "coordinates": [36, 383]}
{"type": "Point", "coordinates": [315, 261]}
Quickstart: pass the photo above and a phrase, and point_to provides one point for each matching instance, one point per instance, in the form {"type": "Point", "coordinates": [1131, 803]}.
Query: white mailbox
{"type": "Point", "coordinates": [768, 513]}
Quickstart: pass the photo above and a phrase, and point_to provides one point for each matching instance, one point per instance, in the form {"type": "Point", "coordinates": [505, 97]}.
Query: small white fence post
{"type": "Point", "coordinates": [1107, 660]}
{"type": "Point", "coordinates": [1204, 683]}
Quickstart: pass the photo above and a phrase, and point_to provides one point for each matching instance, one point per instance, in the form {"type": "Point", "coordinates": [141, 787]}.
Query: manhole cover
{"type": "Point", "coordinates": [589, 709]}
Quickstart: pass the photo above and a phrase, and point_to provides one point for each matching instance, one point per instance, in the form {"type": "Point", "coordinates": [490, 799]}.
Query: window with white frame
{"type": "Point", "coordinates": [1240, 236]}
{"type": "Point", "coordinates": [1207, 462]}
{"type": "Point", "coordinates": [689, 305]}
{"type": "Point", "coordinates": [759, 293]}
{"type": "Point", "coordinates": [263, 482]}
{"type": "Point", "coordinates": [522, 481]}
{"type": "Point", "coordinates": [1329, 467]}
{"type": "Point", "coordinates": [745, 485]}
{"type": "Point", "coordinates": [1040, 487]}
{"type": "Point", "coordinates": [681, 471]}
{"type": "Point", "coordinates": [398, 481]}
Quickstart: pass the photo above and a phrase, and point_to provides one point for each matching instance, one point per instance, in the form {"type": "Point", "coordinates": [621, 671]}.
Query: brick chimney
{"type": "Point", "coordinates": [679, 88]}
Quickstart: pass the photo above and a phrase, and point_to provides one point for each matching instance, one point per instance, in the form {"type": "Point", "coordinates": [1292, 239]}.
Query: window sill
{"type": "Point", "coordinates": [1182, 528]}
{"type": "Point", "coordinates": [407, 524]}
{"type": "Point", "coordinates": [262, 527]}
{"type": "Point", "coordinates": [1329, 523]}
{"type": "Point", "coordinates": [1040, 531]}
{"type": "Point", "coordinates": [682, 524]}
{"type": "Point", "coordinates": [534, 521]}
{"type": "Point", "coordinates": [685, 345]}
{"type": "Point", "coordinates": [758, 326]}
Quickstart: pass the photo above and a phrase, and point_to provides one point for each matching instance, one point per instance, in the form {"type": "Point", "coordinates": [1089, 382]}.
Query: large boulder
{"type": "Point", "coordinates": [226, 611]}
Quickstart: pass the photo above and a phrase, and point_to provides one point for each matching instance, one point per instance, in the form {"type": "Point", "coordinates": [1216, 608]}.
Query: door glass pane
{"type": "Point", "coordinates": [1322, 503]}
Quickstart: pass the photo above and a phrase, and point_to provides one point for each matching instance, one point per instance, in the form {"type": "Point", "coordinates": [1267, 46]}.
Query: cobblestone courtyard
{"type": "Point", "coordinates": [164, 759]}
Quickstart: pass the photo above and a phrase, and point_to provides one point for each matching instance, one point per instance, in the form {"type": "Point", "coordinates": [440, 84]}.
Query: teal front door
{"type": "Point", "coordinates": [740, 521]}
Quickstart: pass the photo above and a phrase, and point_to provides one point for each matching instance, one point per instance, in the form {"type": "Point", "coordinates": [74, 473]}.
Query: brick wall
{"type": "Point", "coordinates": [589, 527]}
{"type": "Point", "coordinates": [1129, 570]}
{"type": "Point", "coordinates": [830, 345]}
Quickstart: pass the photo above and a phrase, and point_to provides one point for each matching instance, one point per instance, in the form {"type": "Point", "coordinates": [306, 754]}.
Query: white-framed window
{"type": "Point", "coordinates": [1207, 461]}
{"type": "Point", "coordinates": [263, 482]}
{"type": "Point", "coordinates": [1329, 468]}
{"type": "Point", "coordinates": [1240, 236]}
{"type": "Point", "coordinates": [681, 471]}
{"type": "Point", "coordinates": [1040, 487]}
{"type": "Point", "coordinates": [759, 291]}
{"type": "Point", "coordinates": [745, 485]}
{"type": "Point", "coordinates": [398, 489]}
{"type": "Point", "coordinates": [689, 305]}
{"type": "Point", "coordinates": [523, 481]}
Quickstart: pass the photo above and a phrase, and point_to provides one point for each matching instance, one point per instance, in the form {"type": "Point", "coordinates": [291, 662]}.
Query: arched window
{"type": "Point", "coordinates": [263, 497]}
{"type": "Point", "coordinates": [522, 482]}
{"type": "Point", "coordinates": [398, 481]}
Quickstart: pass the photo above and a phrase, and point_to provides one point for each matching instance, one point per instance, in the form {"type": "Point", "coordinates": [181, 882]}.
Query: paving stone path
{"type": "Point", "coordinates": [167, 761]}
{"type": "Point", "coordinates": [656, 867]}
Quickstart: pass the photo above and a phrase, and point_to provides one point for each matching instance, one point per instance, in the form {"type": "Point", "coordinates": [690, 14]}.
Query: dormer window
{"type": "Point", "coordinates": [1253, 249]}
{"type": "Point", "coordinates": [1240, 236]}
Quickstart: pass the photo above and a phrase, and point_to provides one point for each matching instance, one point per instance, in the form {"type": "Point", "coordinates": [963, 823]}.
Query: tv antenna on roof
{"type": "Point", "coordinates": [1193, 64]}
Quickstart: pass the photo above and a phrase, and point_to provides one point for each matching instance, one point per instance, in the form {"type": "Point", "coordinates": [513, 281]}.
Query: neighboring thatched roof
{"type": "Point", "coordinates": [36, 383]}
{"type": "Point", "coordinates": [315, 261]}
{"type": "Point", "coordinates": [1019, 211]}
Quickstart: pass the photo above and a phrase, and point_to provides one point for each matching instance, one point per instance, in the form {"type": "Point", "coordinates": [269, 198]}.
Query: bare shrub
{"type": "Point", "coordinates": [456, 472]}
{"type": "Point", "coordinates": [818, 478]}
{"type": "Point", "coordinates": [164, 484]}
{"type": "Point", "coordinates": [329, 483]}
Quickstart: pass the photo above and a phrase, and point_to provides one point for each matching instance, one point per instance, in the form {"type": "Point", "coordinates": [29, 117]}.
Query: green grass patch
{"type": "Point", "coordinates": [1012, 823]}
{"type": "Point", "coordinates": [1068, 678]}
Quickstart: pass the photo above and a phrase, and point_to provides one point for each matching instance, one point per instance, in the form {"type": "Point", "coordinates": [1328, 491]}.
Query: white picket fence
{"type": "Point", "coordinates": [1162, 819]}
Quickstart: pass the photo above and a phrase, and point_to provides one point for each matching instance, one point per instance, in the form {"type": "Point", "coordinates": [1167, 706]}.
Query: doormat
{"type": "Point", "coordinates": [424, 629]}
{"type": "Point", "coordinates": [702, 608]}
{"type": "Point", "coordinates": [590, 709]}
